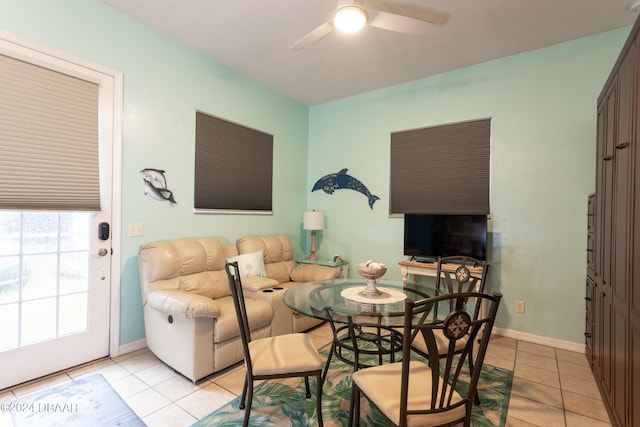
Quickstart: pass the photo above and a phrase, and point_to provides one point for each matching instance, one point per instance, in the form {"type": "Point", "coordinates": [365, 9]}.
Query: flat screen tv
{"type": "Point", "coordinates": [427, 237]}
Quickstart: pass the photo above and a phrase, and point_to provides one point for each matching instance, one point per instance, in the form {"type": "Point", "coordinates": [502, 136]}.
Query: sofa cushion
{"type": "Point", "coordinates": [250, 264]}
{"type": "Point", "coordinates": [259, 314]}
{"type": "Point", "coordinates": [212, 284]}
{"type": "Point", "coordinates": [280, 271]}
{"type": "Point", "coordinates": [277, 250]}
{"type": "Point", "coordinates": [313, 272]}
{"type": "Point", "coordinates": [276, 247]}
{"type": "Point", "coordinates": [183, 264]}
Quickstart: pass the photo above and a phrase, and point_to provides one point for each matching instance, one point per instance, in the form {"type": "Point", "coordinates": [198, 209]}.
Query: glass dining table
{"type": "Point", "coordinates": [366, 330]}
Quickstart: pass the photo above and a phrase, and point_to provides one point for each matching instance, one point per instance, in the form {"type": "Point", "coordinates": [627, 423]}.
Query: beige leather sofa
{"type": "Point", "coordinates": [189, 318]}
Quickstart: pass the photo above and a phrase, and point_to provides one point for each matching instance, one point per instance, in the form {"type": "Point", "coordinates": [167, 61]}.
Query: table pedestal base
{"type": "Point", "coordinates": [363, 339]}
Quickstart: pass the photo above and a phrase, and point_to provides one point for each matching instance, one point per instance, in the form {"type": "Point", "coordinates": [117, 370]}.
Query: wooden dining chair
{"type": "Point", "coordinates": [439, 392]}
{"type": "Point", "coordinates": [283, 356]}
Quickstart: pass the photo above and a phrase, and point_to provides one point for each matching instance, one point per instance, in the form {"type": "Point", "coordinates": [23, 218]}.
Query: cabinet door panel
{"type": "Point", "coordinates": [634, 292]}
{"type": "Point", "coordinates": [606, 344]}
{"type": "Point", "coordinates": [600, 191]}
{"type": "Point", "coordinates": [634, 375]}
{"type": "Point", "coordinates": [589, 325]}
{"type": "Point", "coordinates": [596, 339]}
{"type": "Point", "coordinates": [619, 366]}
{"type": "Point", "coordinates": [608, 207]}
{"type": "Point", "coordinates": [621, 188]}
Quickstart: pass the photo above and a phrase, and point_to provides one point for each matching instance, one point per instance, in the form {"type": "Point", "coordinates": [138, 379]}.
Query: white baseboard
{"type": "Point", "coordinates": [131, 346]}
{"type": "Point", "coordinates": [508, 333]}
{"type": "Point", "coordinates": [538, 339]}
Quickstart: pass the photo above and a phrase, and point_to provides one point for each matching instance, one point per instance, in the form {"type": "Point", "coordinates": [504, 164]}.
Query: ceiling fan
{"type": "Point", "coordinates": [388, 15]}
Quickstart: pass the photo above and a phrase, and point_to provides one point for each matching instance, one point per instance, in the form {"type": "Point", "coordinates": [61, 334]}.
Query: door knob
{"type": "Point", "coordinates": [103, 251]}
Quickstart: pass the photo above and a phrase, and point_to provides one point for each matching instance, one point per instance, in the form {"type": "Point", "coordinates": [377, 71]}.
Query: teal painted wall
{"type": "Point", "coordinates": [542, 106]}
{"type": "Point", "coordinates": [164, 84]}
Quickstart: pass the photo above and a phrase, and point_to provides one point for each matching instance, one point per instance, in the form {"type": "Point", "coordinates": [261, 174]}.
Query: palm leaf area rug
{"type": "Point", "coordinates": [88, 401]}
{"type": "Point", "coordinates": [279, 404]}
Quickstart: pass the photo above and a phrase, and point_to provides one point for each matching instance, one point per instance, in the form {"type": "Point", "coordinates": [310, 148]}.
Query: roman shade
{"type": "Point", "coordinates": [233, 167]}
{"type": "Point", "coordinates": [441, 169]}
{"type": "Point", "coordinates": [48, 139]}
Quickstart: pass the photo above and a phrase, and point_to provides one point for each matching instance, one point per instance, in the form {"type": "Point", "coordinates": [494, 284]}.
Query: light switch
{"type": "Point", "coordinates": [136, 230]}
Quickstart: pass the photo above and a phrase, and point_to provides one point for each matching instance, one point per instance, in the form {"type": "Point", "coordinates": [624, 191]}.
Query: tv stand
{"type": "Point", "coordinates": [426, 268]}
{"type": "Point", "coordinates": [423, 260]}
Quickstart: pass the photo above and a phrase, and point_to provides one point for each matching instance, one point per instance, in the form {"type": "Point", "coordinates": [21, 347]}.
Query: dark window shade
{"type": "Point", "coordinates": [233, 167]}
{"type": "Point", "coordinates": [48, 139]}
{"type": "Point", "coordinates": [441, 169]}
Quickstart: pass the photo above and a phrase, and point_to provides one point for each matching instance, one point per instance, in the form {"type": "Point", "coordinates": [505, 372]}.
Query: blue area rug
{"type": "Point", "coordinates": [276, 404]}
{"type": "Point", "coordinates": [85, 402]}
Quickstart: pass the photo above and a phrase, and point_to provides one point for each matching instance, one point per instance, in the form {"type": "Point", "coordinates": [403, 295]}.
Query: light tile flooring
{"type": "Point", "coordinates": [551, 387]}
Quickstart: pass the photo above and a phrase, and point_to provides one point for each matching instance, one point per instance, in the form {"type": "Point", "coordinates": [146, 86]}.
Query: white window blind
{"type": "Point", "coordinates": [48, 139]}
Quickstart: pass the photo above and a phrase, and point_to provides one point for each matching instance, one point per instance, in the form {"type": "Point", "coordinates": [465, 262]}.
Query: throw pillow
{"type": "Point", "coordinates": [251, 264]}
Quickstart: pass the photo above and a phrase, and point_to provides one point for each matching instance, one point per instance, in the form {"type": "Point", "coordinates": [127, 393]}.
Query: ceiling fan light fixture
{"type": "Point", "coordinates": [350, 19]}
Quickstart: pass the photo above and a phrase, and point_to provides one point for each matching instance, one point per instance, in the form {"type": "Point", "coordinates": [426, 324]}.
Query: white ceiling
{"type": "Point", "coordinates": [253, 37]}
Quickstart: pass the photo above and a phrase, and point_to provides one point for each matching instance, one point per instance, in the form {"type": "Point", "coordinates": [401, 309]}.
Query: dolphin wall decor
{"type": "Point", "coordinates": [160, 191]}
{"type": "Point", "coordinates": [342, 181]}
{"type": "Point", "coordinates": [155, 175]}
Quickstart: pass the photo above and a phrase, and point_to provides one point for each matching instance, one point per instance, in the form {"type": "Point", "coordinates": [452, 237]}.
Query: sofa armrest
{"type": "Point", "coordinates": [313, 272]}
{"type": "Point", "coordinates": [258, 283]}
{"type": "Point", "coordinates": [173, 301]}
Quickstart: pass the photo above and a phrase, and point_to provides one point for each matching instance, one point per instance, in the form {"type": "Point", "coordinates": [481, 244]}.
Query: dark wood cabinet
{"type": "Point", "coordinates": [613, 243]}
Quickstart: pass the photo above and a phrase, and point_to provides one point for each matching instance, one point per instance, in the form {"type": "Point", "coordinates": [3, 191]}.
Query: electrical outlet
{"type": "Point", "coordinates": [519, 306]}
{"type": "Point", "coordinates": [136, 230]}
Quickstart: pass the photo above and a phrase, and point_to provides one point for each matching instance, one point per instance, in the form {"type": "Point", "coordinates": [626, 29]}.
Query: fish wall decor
{"type": "Point", "coordinates": [342, 181]}
{"type": "Point", "coordinates": [155, 185]}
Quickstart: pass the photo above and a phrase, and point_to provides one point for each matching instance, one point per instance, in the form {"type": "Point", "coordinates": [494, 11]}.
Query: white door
{"type": "Point", "coordinates": [54, 292]}
{"type": "Point", "coordinates": [55, 266]}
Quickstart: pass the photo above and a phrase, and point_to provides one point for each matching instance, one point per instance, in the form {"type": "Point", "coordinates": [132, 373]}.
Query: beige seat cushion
{"type": "Point", "coordinates": [259, 313]}
{"type": "Point", "coordinates": [284, 354]}
{"type": "Point", "coordinates": [381, 384]}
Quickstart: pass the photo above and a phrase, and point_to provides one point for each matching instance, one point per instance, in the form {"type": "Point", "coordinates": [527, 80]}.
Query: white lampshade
{"type": "Point", "coordinates": [313, 220]}
{"type": "Point", "coordinates": [350, 19]}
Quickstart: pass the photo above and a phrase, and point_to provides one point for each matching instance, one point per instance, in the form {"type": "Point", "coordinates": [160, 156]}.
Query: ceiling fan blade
{"type": "Point", "coordinates": [423, 14]}
{"type": "Point", "coordinates": [398, 23]}
{"type": "Point", "coordinates": [315, 35]}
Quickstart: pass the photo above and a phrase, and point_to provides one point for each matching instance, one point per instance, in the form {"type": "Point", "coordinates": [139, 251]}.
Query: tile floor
{"type": "Point", "coordinates": [551, 387]}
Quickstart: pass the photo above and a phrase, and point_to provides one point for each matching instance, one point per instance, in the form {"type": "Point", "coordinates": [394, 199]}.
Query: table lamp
{"type": "Point", "coordinates": [314, 221]}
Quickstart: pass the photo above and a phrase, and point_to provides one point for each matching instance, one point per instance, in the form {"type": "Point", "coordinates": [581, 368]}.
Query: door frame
{"type": "Point", "coordinates": [24, 47]}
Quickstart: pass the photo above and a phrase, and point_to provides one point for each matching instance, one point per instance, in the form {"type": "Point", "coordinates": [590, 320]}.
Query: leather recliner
{"type": "Point", "coordinates": [190, 321]}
